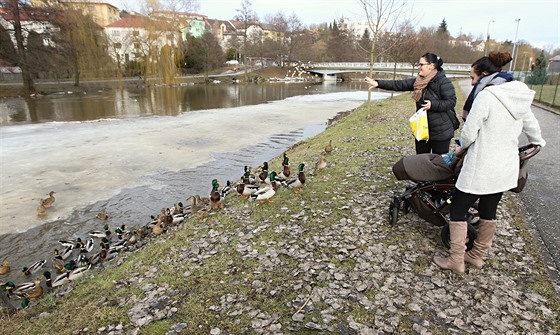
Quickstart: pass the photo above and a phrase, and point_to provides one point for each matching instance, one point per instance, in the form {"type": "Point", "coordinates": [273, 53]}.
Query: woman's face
{"type": "Point", "coordinates": [474, 76]}
{"type": "Point", "coordinates": [424, 68]}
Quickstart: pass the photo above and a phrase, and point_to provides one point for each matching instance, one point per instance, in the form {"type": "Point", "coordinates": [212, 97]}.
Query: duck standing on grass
{"type": "Point", "coordinates": [215, 197]}
{"type": "Point", "coordinates": [268, 191]}
{"type": "Point", "coordinates": [329, 148]}
{"type": "Point", "coordinates": [297, 183]}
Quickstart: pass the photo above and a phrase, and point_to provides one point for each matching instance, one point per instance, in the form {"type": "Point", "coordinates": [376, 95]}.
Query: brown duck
{"type": "Point", "coordinates": [48, 202]}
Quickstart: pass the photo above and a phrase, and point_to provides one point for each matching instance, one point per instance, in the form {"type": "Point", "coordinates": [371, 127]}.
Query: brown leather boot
{"type": "Point", "coordinates": [483, 242]}
{"type": "Point", "coordinates": [456, 260]}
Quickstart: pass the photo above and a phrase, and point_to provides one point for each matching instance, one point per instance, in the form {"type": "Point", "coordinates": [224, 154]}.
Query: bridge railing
{"type": "Point", "coordinates": [380, 65]}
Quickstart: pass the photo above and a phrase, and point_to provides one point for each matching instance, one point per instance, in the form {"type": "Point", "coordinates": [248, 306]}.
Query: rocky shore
{"type": "Point", "coordinates": [325, 261]}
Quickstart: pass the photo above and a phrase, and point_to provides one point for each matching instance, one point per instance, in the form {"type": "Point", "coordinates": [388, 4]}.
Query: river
{"type": "Point", "coordinates": [132, 153]}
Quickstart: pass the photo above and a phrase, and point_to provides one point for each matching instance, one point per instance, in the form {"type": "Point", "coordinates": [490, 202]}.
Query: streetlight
{"type": "Point", "coordinates": [487, 38]}
{"type": "Point", "coordinates": [514, 45]}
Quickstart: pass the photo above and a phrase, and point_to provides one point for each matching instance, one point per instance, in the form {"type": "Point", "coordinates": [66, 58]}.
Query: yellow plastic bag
{"type": "Point", "coordinates": [419, 125]}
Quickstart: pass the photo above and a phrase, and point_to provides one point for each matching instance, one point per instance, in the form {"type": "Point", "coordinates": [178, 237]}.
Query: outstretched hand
{"type": "Point", "coordinates": [372, 83]}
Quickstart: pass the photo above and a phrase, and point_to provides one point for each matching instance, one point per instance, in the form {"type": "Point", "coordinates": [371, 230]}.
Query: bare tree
{"type": "Point", "coordinates": [246, 16]}
{"type": "Point", "coordinates": [16, 7]}
{"type": "Point", "coordinates": [382, 16]}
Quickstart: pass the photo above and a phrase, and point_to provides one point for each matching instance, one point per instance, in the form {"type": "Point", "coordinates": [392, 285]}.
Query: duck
{"type": "Point", "coordinates": [100, 233]}
{"type": "Point", "coordinates": [158, 228]}
{"type": "Point", "coordinates": [329, 147]}
{"type": "Point", "coordinates": [65, 254]}
{"type": "Point", "coordinates": [321, 164]}
{"type": "Point", "coordinates": [285, 173]}
{"type": "Point", "coordinates": [88, 246]}
{"type": "Point", "coordinates": [41, 210]}
{"type": "Point", "coordinates": [247, 178]}
{"type": "Point", "coordinates": [21, 289]}
{"type": "Point", "coordinates": [120, 231]}
{"type": "Point", "coordinates": [245, 190]}
{"type": "Point", "coordinates": [263, 175]}
{"type": "Point", "coordinates": [5, 267]}
{"type": "Point", "coordinates": [178, 208]}
{"type": "Point", "coordinates": [103, 216]}
{"type": "Point", "coordinates": [204, 202]}
{"type": "Point", "coordinates": [297, 183]}
{"type": "Point", "coordinates": [225, 189]}
{"type": "Point", "coordinates": [58, 281]}
{"type": "Point", "coordinates": [35, 292]}
{"type": "Point", "coordinates": [48, 202]}
{"type": "Point", "coordinates": [200, 212]}
{"type": "Point", "coordinates": [78, 272]}
{"type": "Point", "coordinates": [33, 267]}
{"type": "Point", "coordinates": [67, 243]}
{"type": "Point", "coordinates": [215, 196]}
{"type": "Point", "coordinates": [268, 191]}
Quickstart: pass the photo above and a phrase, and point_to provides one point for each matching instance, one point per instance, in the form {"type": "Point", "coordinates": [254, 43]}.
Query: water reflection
{"type": "Point", "coordinates": [119, 102]}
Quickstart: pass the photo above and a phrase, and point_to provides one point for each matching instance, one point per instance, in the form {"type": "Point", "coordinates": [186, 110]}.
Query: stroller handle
{"type": "Point", "coordinates": [525, 154]}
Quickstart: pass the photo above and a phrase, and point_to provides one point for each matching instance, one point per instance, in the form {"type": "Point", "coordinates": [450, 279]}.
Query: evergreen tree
{"type": "Point", "coordinates": [538, 76]}
{"type": "Point", "coordinates": [442, 29]}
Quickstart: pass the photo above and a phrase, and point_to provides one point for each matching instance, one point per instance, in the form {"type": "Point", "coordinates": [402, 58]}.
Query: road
{"type": "Point", "coordinates": [541, 197]}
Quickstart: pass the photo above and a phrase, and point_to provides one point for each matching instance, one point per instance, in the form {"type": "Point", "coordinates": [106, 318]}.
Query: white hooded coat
{"type": "Point", "coordinates": [498, 116]}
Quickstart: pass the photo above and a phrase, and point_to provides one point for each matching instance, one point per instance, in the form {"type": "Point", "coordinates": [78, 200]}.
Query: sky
{"type": "Point", "coordinates": [538, 24]}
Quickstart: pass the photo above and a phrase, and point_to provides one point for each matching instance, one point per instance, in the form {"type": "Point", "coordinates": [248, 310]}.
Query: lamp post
{"type": "Point", "coordinates": [513, 55]}
{"type": "Point", "coordinates": [487, 38]}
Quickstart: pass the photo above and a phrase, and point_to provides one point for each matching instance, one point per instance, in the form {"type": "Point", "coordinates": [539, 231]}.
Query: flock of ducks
{"type": "Point", "coordinates": [75, 257]}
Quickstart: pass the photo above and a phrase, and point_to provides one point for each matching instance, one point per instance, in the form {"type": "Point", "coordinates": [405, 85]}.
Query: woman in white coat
{"type": "Point", "coordinates": [500, 112]}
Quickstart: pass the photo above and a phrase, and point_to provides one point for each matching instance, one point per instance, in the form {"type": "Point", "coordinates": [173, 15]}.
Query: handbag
{"type": "Point", "coordinates": [419, 125]}
{"type": "Point", "coordinates": [454, 119]}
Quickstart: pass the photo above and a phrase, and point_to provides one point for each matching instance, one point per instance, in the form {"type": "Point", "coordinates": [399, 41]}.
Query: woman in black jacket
{"type": "Point", "coordinates": [431, 90]}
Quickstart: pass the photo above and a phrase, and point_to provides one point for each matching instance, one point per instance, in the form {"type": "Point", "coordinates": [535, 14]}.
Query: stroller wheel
{"type": "Point", "coordinates": [446, 236]}
{"type": "Point", "coordinates": [394, 210]}
{"type": "Point", "coordinates": [405, 207]}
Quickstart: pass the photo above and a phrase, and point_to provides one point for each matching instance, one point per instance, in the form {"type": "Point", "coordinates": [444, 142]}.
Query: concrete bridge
{"type": "Point", "coordinates": [330, 70]}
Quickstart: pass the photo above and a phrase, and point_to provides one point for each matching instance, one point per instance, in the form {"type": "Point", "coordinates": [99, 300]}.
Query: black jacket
{"type": "Point", "coordinates": [441, 93]}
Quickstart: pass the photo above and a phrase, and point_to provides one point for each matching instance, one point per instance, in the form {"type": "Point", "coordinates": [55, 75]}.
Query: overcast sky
{"type": "Point", "coordinates": [538, 24]}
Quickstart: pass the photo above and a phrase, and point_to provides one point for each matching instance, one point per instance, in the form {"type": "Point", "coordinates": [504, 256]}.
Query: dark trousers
{"type": "Point", "coordinates": [487, 205]}
{"type": "Point", "coordinates": [436, 147]}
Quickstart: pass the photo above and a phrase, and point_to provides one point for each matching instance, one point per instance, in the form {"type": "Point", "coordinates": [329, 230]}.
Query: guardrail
{"type": "Point", "coordinates": [380, 65]}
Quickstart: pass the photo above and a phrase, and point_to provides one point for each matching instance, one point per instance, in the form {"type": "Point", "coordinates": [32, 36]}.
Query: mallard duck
{"type": "Point", "coordinates": [245, 190]}
{"type": "Point", "coordinates": [119, 231]}
{"type": "Point", "coordinates": [65, 254]}
{"type": "Point", "coordinates": [103, 216]}
{"type": "Point", "coordinates": [329, 147]}
{"type": "Point", "coordinates": [158, 228]}
{"type": "Point", "coordinates": [266, 192]}
{"type": "Point", "coordinates": [202, 202]}
{"type": "Point", "coordinates": [215, 196]}
{"type": "Point", "coordinates": [177, 209]}
{"type": "Point", "coordinates": [28, 270]}
{"type": "Point", "coordinates": [21, 289]}
{"type": "Point", "coordinates": [225, 189]}
{"type": "Point", "coordinates": [8, 287]}
{"type": "Point", "coordinates": [200, 212]}
{"type": "Point", "coordinates": [78, 272]}
{"type": "Point", "coordinates": [5, 267]}
{"type": "Point", "coordinates": [41, 210]}
{"type": "Point", "coordinates": [82, 260]}
{"type": "Point", "coordinates": [285, 173]}
{"type": "Point", "coordinates": [35, 292]}
{"type": "Point", "coordinates": [48, 202]}
{"type": "Point", "coordinates": [297, 183]}
{"type": "Point", "coordinates": [58, 281]}
{"type": "Point", "coordinates": [89, 245]}
{"type": "Point", "coordinates": [321, 164]}
{"type": "Point", "coordinates": [263, 175]}
{"type": "Point", "coordinates": [100, 233]}
{"type": "Point", "coordinates": [67, 243]}
{"type": "Point", "coordinates": [247, 178]}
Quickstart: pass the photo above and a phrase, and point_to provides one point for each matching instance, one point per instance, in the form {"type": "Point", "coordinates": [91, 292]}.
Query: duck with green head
{"type": "Point", "coordinates": [297, 183]}
{"type": "Point", "coordinates": [215, 197]}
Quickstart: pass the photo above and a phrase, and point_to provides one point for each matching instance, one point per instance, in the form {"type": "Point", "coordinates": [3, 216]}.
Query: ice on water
{"type": "Point", "coordinates": [84, 162]}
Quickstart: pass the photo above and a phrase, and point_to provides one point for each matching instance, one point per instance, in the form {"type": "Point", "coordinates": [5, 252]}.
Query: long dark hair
{"type": "Point", "coordinates": [492, 63]}
{"type": "Point", "coordinates": [433, 59]}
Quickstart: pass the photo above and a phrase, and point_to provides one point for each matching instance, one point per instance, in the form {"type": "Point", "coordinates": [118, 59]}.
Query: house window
{"type": "Point", "coordinates": [136, 45]}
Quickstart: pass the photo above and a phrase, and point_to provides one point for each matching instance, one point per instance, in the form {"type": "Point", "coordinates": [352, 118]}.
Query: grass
{"type": "Point", "coordinates": [199, 286]}
{"type": "Point", "coordinates": [547, 94]}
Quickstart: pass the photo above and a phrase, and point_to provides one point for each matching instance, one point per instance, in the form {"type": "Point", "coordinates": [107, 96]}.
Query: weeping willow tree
{"type": "Point", "coordinates": [81, 42]}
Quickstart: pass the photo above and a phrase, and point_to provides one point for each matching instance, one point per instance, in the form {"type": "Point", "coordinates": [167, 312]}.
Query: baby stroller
{"type": "Point", "coordinates": [431, 195]}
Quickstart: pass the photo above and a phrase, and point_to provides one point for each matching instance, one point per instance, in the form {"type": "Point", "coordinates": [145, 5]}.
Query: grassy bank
{"type": "Point", "coordinates": [321, 261]}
